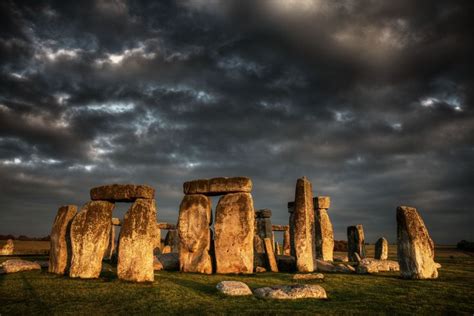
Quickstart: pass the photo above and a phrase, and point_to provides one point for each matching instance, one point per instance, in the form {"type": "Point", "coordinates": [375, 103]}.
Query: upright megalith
{"type": "Point", "coordinates": [195, 234]}
{"type": "Point", "coordinates": [263, 229]}
{"type": "Point", "coordinates": [291, 225]}
{"type": "Point", "coordinates": [304, 226]}
{"type": "Point", "coordinates": [234, 233]}
{"type": "Point", "coordinates": [111, 247]}
{"type": "Point", "coordinates": [355, 242]}
{"type": "Point", "coordinates": [135, 255]}
{"type": "Point", "coordinates": [415, 246]}
{"type": "Point", "coordinates": [90, 231]}
{"type": "Point", "coordinates": [286, 242]}
{"type": "Point", "coordinates": [324, 233]}
{"type": "Point", "coordinates": [381, 249]}
{"type": "Point", "coordinates": [60, 244]}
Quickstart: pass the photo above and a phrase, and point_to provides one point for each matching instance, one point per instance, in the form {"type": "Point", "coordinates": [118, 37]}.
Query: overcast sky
{"type": "Point", "coordinates": [371, 100]}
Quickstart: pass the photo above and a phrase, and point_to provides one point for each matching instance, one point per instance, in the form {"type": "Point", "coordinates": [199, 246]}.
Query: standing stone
{"type": "Point", "coordinates": [324, 233]}
{"type": "Point", "coordinates": [263, 227]}
{"type": "Point", "coordinates": [291, 225]}
{"type": "Point", "coordinates": [355, 242]}
{"type": "Point", "coordinates": [272, 263]}
{"type": "Point", "coordinates": [381, 249]}
{"type": "Point", "coordinates": [195, 234]}
{"type": "Point", "coordinates": [135, 255]}
{"type": "Point", "coordinates": [303, 226]}
{"type": "Point", "coordinates": [90, 231]}
{"type": "Point", "coordinates": [111, 247]}
{"type": "Point", "coordinates": [277, 248]}
{"type": "Point", "coordinates": [234, 233]}
{"type": "Point", "coordinates": [60, 243]}
{"type": "Point", "coordinates": [8, 248]}
{"type": "Point", "coordinates": [172, 240]}
{"type": "Point", "coordinates": [286, 243]}
{"type": "Point", "coordinates": [415, 246]}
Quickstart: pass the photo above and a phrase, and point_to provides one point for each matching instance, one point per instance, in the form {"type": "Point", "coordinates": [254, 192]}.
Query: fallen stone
{"type": "Point", "coordinates": [18, 265]}
{"type": "Point", "coordinates": [90, 231]}
{"type": "Point", "coordinates": [325, 266]}
{"type": "Point", "coordinates": [280, 228]}
{"type": "Point", "coordinates": [355, 242]}
{"type": "Point", "coordinates": [233, 288]}
{"type": "Point", "coordinates": [308, 276]}
{"type": "Point", "coordinates": [291, 292]}
{"type": "Point", "coordinates": [381, 249]}
{"type": "Point", "coordinates": [415, 246]}
{"type": "Point", "coordinates": [167, 261]}
{"type": "Point", "coordinates": [195, 234]}
{"type": "Point", "coordinates": [7, 249]}
{"type": "Point", "coordinates": [369, 265]}
{"type": "Point", "coordinates": [234, 234]}
{"type": "Point", "coordinates": [122, 192]}
{"type": "Point", "coordinates": [260, 269]}
{"type": "Point", "coordinates": [218, 186]}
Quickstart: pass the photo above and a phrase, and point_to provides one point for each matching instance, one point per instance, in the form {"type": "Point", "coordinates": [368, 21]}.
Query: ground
{"type": "Point", "coordinates": [178, 293]}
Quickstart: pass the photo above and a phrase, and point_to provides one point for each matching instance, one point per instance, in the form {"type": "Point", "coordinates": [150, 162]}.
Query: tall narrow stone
{"type": "Point", "coordinates": [286, 243]}
{"type": "Point", "coordinates": [272, 263]}
{"type": "Point", "coordinates": [304, 226]}
{"type": "Point", "coordinates": [135, 255]}
{"type": "Point", "coordinates": [324, 233]}
{"type": "Point", "coordinates": [415, 246]}
{"type": "Point", "coordinates": [90, 231]}
{"type": "Point", "coordinates": [291, 225]}
{"type": "Point", "coordinates": [381, 249]}
{"type": "Point", "coordinates": [195, 234]}
{"type": "Point", "coordinates": [355, 242]}
{"type": "Point", "coordinates": [60, 244]}
{"type": "Point", "coordinates": [234, 233]}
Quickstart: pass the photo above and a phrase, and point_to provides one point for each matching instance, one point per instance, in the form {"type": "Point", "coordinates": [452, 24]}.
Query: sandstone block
{"type": "Point", "coordinates": [90, 231]}
{"type": "Point", "coordinates": [234, 233]}
{"type": "Point", "coordinates": [308, 276]}
{"type": "Point", "coordinates": [60, 244]}
{"type": "Point", "coordinates": [415, 246]}
{"type": "Point", "coordinates": [381, 249]}
{"type": "Point", "coordinates": [7, 249]}
{"type": "Point", "coordinates": [369, 265]}
{"type": "Point", "coordinates": [322, 202]}
{"type": "Point", "coordinates": [195, 234]}
{"type": "Point", "coordinates": [270, 255]}
{"type": "Point", "coordinates": [122, 192]}
{"type": "Point", "coordinates": [291, 292]}
{"type": "Point", "coordinates": [355, 242]}
{"type": "Point", "coordinates": [324, 235]}
{"type": "Point", "coordinates": [218, 186]}
{"type": "Point", "coordinates": [233, 288]}
{"type": "Point", "coordinates": [18, 265]}
{"type": "Point", "coordinates": [325, 266]}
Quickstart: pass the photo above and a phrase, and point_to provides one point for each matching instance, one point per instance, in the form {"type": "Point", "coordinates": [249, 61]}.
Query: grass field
{"type": "Point", "coordinates": [178, 293]}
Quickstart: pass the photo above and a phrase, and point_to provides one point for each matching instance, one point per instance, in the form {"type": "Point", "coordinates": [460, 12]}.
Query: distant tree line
{"type": "Point", "coordinates": [466, 245]}
{"type": "Point", "coordinates": [25, 238]}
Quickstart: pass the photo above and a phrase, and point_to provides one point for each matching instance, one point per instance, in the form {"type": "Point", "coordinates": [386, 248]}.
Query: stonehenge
{"type": "Point", "coordinates": [60, 243]}
{"type": "Point", "coordinates": [381, 249]}
{"type": "Point", "coordinates": [355, 242]}
{"type": "Point", "coordinates": [324, 234]}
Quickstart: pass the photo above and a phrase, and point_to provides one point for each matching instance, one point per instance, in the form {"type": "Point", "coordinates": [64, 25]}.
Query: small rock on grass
{"type": "Point", "coordinates": [308, 276]}
{"type": "Point", "coordinates": [291, 292]}
{"type": "Point", "coordinates": [233, 288]}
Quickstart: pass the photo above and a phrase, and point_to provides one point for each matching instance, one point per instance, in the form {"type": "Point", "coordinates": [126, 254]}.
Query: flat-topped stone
{"type": "Point", "coordinates": [218, 186]}
{"type": "Point", "coordinates": [18, 265]}
{"type": "Point", "coordinates": [322, 202]}
{"type": "Point", "coordinates": [122, 192]}
{"type": "Point", "coordinates": [265, 213]}
{"type": "Point", "coordinates": [280, 228]}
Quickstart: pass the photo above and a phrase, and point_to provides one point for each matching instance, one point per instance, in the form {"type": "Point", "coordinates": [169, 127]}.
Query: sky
{"type": "Point", "coordinates": [373, 101]}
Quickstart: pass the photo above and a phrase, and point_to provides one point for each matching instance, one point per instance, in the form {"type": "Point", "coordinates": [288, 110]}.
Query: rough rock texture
{"type": "Point", "coordinates": [233, 288]}
{"type": "Point", "coordinates": [369, 265]}
{"type": "Point", "coordinates": [286, 243]}
{"type": "Point", "coordinates": [355, 242]}
{"type": "Point", "coordinates": [291, 292]}
{"type": "Point", "coordinates": [381, 249]}
{"type": "Point", "coordinates": [325, 266]}
{"type": "Point", "coordinates": [60, 244]}
{"type": "Point", "coordinates": [116, 221]}
{"type": "Point", "coordinates": [8, 248]}
{"type": "Point", "coordinates": [17, 265]}
{"type": "Point", "coordinates": [167, 261]}
{"type": "Point", "coordinates": [279, 228]}
{"type": "Point", "coordinates": [322, 202]}
{"type": "Point", "coordinates": [415, 246]}
{"type": "Point", "coordinates": [90, 231]}
{"type": "Point", "coordinates": [324, 233]}
{"type": "Point", "coordinates": [218, 186]}
{"type": "Point", "coordinates": [172, 240]}
{"type": "Point", "coordinates": [286, 263]}
{"type": "Point", "coordinates": [135, 255]}
{"type": "Point", "coordinates": [195, 234]}
{"type": "Point", "coordinates": [308, 276]}
{"type": "Point", "coordinates": [291, 225]}
{"type": "Point", "coordinates": [304, 226]}
{"type": "Point", "coordinates": [272, 263]}
{"type": "Point", "coordinates": [122, 192]}
{"type": "Point", "coordinates": [263, 229]}
{"type": "Point", "coordinates": [234, 234]}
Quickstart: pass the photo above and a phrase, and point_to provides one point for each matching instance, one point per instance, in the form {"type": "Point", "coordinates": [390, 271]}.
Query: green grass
{"type": "Point", "coordinates": [178, 293]}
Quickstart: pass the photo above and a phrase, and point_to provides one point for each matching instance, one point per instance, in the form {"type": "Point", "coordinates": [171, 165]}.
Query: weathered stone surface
{"type": "Point", "coordinates": [291, 292]}
{"type": "Point", "coordinates": [234, 233]}
{"type": "Point", "coordinates": [280, 228]}
{"type": "Point", "coordinates": [263, 213]}
{"type": "Point", "coordinates": [415, 246]}
{"type": "Point", "coordinates": [233, 288]}
{"type": "Point", "coordinates": [369, 265]}
{"type": "Point", "coordinates": [308, 276]}
{"type": "Point", "coordinates": [304, 226]}
{"type": "Point", "coordinates": [286, 243]}
{"type": "Point", "coordinates": [166, 261]}
{"type": "Point", "coordinates": [116, 221]}
{"type": "Point", "coordinates": [324, 235]}
{"type": "Point", "coordinates": [322, 202]}
{"type": "Point", "coordinates": [60, 244]}
{"type": "Point", "coordinates": [355, 242]}
{"type": "Point", "coordinates": [18, 265]}
{"type": "Point", "coordinates": [122, 192]}
{"type": "Point", "coordinates": [135, 255]}
{"type": "Point", "coordinates": [90, 231]}
{"type": "Point", "coordinates": [272, 263]}
{"type": "Point", "coordinates": [263, 229]}
{"type": "Point", "coordinates": [291, 225]}
{"type": "Point", "coordinates": [218, 186]}
{"type": "Point", "coordinates": [325, 266]}
{"type": "Point", "coordinates": [109, 252]}
{"type": "Point", "coordinates": [286, 263]}
{"type": "Point", "coordinates": [167, 226]}
{"type": "Point", "coordinates": [381, 249]}
{"type": "Point", "coordinates": [8, 248]}
{"type": "Point", "coordinates": [172, 240]}
{"type": "Point", "coordinates": [195, 234]}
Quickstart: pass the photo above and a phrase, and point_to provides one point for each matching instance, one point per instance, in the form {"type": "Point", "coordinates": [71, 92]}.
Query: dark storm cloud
{"type": "Point", "coordinates": [371, 100]}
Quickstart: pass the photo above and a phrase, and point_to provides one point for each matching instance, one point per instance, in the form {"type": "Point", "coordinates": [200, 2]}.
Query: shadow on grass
{"type": "Point", "coordinates": [193, 285]}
